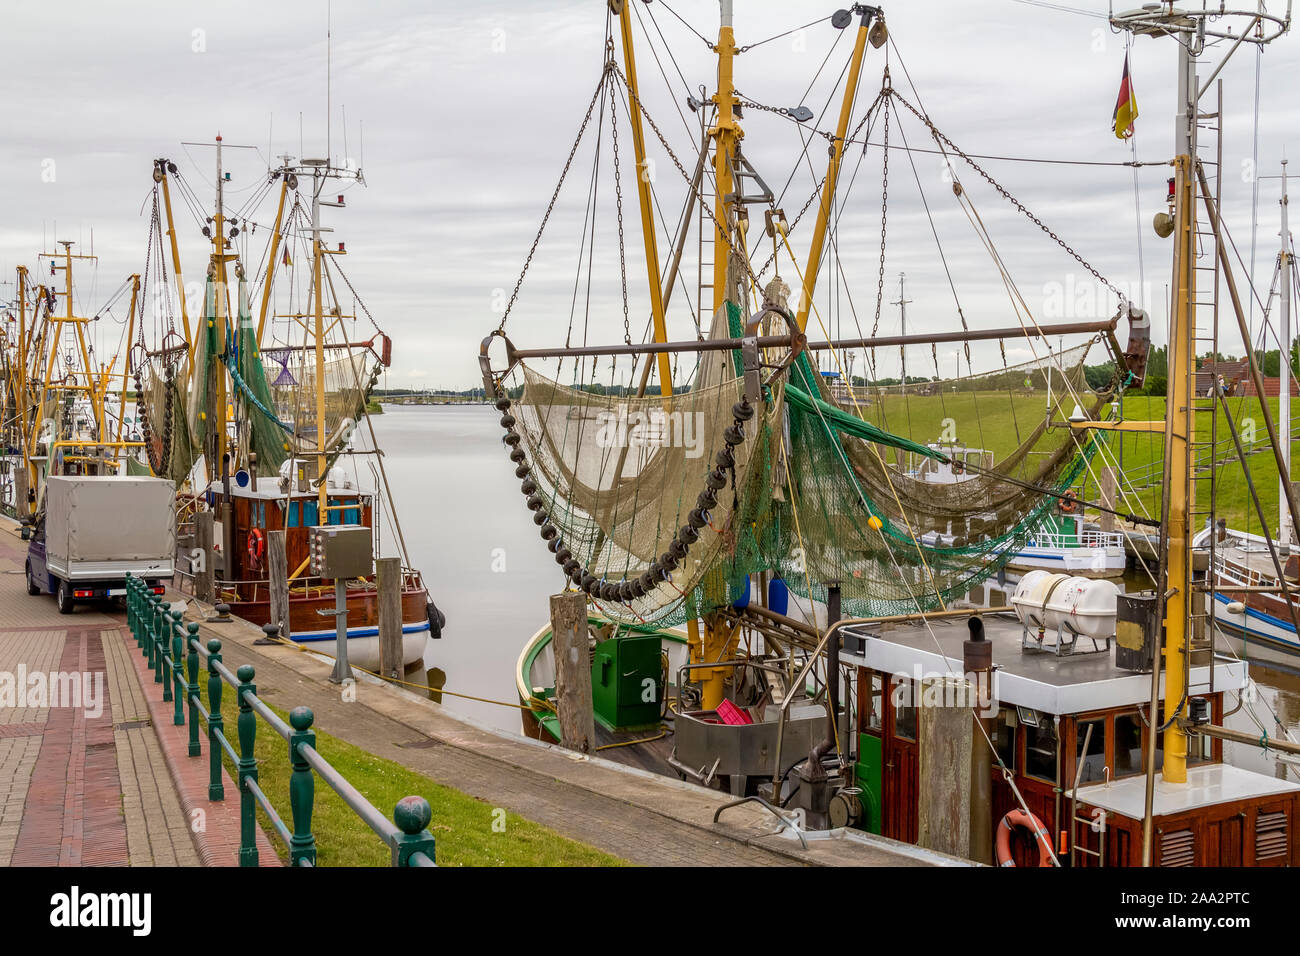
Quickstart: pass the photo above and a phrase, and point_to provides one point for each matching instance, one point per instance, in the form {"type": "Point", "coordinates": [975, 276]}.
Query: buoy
{"type": "Point", "coordinates": [1019, 818]}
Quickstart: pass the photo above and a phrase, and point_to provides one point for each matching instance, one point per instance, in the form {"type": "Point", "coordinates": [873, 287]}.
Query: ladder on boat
{"type": "Point", "coordinates": [1204, 454]}
{"type": "Point", "coordinates": [1076, 850]}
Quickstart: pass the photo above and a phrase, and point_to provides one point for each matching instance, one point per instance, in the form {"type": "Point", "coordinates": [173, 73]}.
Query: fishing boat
{"type": "Point", "coordinates": [62, 413]}
{"type": "Point", "coordinates": [776, 598]}
{"type": "Point", "coordinates": [257, 432]}
{"type": "Point", "coordinates": [1064, 540]}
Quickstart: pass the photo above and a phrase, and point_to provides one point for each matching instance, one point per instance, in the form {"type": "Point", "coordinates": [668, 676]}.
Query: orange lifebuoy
{"type": "Point", "coordinates": [1019, 818]}
{"type": "Point", "coordinates": [1069, 503]}
{"type": "Point", "coordinates": [256, 546]}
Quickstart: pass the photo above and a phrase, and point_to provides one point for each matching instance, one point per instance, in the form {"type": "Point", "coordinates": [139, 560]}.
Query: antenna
{"type": "Point", "coordinates": [902, 304]}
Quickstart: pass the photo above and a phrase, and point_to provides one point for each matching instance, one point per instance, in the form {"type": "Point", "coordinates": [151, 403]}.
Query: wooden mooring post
{"type": "Point", "coordinates": [277, 568]}
{"type": "Point", "coordinates": [388, 573]}
{"type": "Point", "coordinates": [943, 812]}
{"type": "Point", "coordinates": [204, 577]}
{"type": "Point", "coordinates": [1109, 486]}
{"type": "Point", "coordinates": [572, 671]}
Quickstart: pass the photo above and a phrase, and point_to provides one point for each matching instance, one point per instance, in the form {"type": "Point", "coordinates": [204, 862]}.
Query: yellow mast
{"type": "Point", "coordinates": [322, 462]}
{"type": "Point", "coordinates": [274, 252]}
{"type": "Point", "coordinates": [717, 642]}
{"type": "Point", "coordinates": [219, 273]}
{"type": "Point", "coordinates": [621, 7]}
{"type": "Point", "coordinates": [814, 261]}
{"type": "Point", "coordinates": [126, 359]}
{"type": "Point", "coordinates": [726, 135]}
{"type": "Point", "coordinates": [161, 168]}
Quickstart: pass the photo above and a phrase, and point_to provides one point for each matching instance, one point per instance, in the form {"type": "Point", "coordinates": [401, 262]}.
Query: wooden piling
{"type": "Point", "coordinates": [944, 742]}
{"type": "Point", "coordinates": [572, 671]}
{"type": "Point", "coordinates": [203, 580]}
{"type": "Point", "coordinates": [277, 566]}
{"type": "Point", "coordinates": [388, 573]}
{"type": "Point", "coordinates": [1109, 484]}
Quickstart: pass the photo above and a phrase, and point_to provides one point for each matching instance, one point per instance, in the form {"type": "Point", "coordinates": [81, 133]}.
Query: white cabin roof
{"type": "Point", "coordinates": [1035, 679]}
{"type": "Point", "coordinates": [1207, 784]}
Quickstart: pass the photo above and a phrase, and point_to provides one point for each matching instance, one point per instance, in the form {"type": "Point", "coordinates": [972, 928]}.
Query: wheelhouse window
{"type": "Point", "coordinates": [1094, 762]}
{"type": "Point", "coordinates": [904, 710]}
{"type": "Point", "coordinates": [1041, 748]}
{"type": "Point", "coordinates": [875, 704]}
{"type": "Point", "coordinates": [1004, 737]}
{"type": "Point", "coordinates": [1130, 732]}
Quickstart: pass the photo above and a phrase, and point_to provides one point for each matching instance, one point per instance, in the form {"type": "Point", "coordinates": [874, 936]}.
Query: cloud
{"type": "Point", "coordinates": [469, 111]}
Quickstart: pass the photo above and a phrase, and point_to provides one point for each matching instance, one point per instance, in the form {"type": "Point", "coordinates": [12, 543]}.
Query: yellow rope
{"type": "Point", "coordinates": [628, 743]}
{"type": "Point", "coordinates": [540, 704]}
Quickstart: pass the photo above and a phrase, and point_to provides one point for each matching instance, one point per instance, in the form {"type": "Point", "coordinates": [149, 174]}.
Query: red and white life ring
{"type": "Point", "coordinates": [1019, 818]}
{"type": "Point", "coordinates": [256, 546]}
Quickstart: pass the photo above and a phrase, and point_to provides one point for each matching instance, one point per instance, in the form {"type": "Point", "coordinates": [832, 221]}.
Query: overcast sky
{"type": "Point", "coordinates": [469, 110]}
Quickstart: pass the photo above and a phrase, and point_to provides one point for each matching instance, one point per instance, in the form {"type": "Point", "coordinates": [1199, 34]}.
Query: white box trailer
{"type": "Point", "coordinates": [99, 529]}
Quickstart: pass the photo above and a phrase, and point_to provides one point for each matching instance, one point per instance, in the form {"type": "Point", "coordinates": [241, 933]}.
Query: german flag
{"type": "Point", "coordinates": [1126, 107]}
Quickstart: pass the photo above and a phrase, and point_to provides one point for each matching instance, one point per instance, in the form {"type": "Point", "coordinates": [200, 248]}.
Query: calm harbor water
{"type": "Point", "coordinates": [467, 529]}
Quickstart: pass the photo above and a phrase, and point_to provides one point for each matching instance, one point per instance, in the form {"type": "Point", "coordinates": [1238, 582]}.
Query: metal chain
{"type": "Point", "coordinates": [680, 168]}
{"type": "Point", "coordinates": [618, 199]}
{"type": "Point", "coordinates": [745, 101]}
{"type": "Point", "coordinates": [945, 141]}
{"type": "Point", "coordinates": [884, 222]}
{"type": "Point", "coordinates": [822, 183]}
{"type": "Point", "coordinates": [148, 255]}
{"type": "Point", "coordinates": [604, 77]}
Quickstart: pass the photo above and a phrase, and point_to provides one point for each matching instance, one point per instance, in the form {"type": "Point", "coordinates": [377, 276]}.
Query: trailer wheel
{"type": "Point", "coordinates": [31, 584]}
{"type": "Point", "coordinates": [63, 598]}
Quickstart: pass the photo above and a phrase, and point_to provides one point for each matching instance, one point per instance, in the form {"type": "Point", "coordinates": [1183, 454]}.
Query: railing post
{"type": "Point", "coordinates": [169, 618]}
{"type": "Point", "coordinates": [192, 684]}
{"type": "Point", "coordinates": [159, 641]}
{"type": "Point", "coordinates": [216, 790]}
{"type": "Point", "coordinates": [146, 638]}
{"type": "Point", "coordinates": [178, 667]}
{"type": "Point", "coordinates": [412, 816]}
{"type": "Point", "coordinates": [130, 603]}
{"type": "Point", "coordinates": [247, 723]}
{"type": "Point", "coordinates": [302, 787]}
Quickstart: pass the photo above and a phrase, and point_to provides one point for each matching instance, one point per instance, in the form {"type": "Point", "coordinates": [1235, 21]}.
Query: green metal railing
{"type": "Point", "coordinates": [173, 650]}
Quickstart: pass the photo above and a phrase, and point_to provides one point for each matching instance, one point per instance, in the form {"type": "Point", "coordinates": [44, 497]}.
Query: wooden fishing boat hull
{"type": "Point", "coordinates": [1265, 624]}
{"type": "Point", "coordinates": [316, 631]}
{"type": "Point", "coordinates": [1082, 561]}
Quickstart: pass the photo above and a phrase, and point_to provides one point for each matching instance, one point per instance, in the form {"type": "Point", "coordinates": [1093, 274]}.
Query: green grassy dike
{"type": "Point", "coordinates": [997, 421]}
{"type": "Point", "coordinates": [462, 825]}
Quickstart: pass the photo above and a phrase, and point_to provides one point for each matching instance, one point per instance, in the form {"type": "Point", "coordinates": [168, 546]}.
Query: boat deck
{"type": "Point", "coordinates": [1026, 678]}
{"type": "Point", "coordinates": [1206, 785]}
{"type": "Point", "coordinates": [1251, 556]}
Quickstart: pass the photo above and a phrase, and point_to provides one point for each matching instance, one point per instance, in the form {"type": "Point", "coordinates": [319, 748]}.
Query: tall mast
{"type": "Point", "coordinates": [287, 181]}
{"type": "Point", "coordinates": [162, 168]}
{"type": "Point", "coordinates": [814, 262]}
{"type": "Point", "coordinates": [1190, 30]}
{"type": "Point", "coordinates": [726, 135]}
{"type": "Point", "coordinates": [1284, 529]}
{"type": "Point", "coordinates": [646, 200]}
{"type": "Point", "coordinates": [322, 461]}
{"type": "Point", "coordinates": [217, 417]}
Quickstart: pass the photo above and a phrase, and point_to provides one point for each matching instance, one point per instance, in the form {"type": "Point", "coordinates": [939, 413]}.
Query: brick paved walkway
{"type": "Point", "coordinates": [83, 785]}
